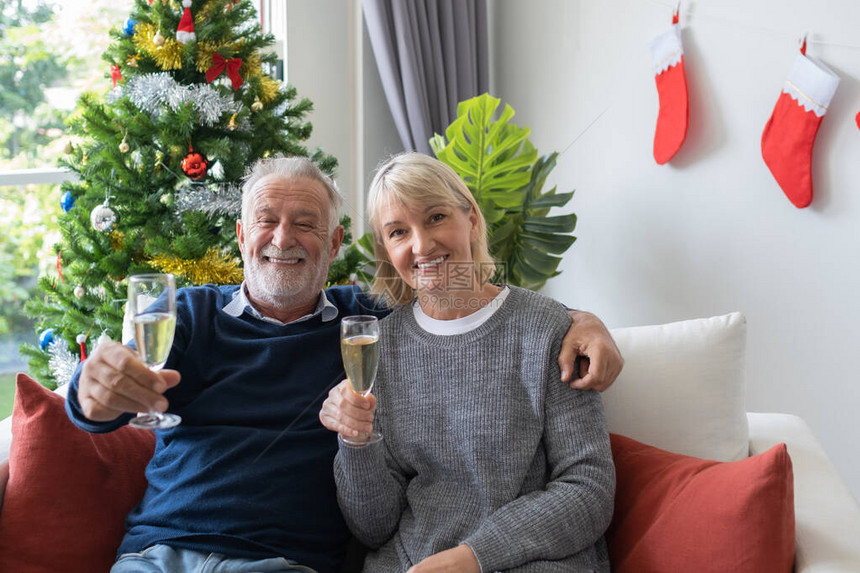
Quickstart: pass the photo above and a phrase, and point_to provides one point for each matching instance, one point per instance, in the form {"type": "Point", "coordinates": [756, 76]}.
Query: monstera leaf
{"type": "Point", "coordinates": [501, 168]}
{"type": "Point", "coordinates": [494, 158]}
{"type": "Point", "coordinates": [527, 238]}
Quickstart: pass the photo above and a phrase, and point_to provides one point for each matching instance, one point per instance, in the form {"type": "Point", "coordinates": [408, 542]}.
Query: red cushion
{"type": "Point", "coordinates": [680, 513]}
{"type": "Point", "coordinates": [69, 491]}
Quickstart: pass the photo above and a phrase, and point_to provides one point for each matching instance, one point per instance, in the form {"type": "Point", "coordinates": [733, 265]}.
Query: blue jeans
{"type": "Point", "coordinates": [166, 559]}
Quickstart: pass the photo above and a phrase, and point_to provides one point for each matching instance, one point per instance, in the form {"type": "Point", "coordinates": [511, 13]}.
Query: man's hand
{"type": "Point", "coordinates": [460, 559]}
{"type": "Point", "coordinates": [588, 337]}
{"type": "Point", "coordinates": [114, 381]}
{"type": "Point", "coordinates": [348, 413]}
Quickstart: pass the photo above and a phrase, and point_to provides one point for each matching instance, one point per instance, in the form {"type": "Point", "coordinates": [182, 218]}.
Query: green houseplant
{"type": "Point", "coordinates": [502, 169]}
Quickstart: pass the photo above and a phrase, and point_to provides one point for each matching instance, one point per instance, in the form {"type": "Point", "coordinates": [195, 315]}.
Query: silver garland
{"type": "Point", "coordinates": [113, 95]}
{"type": "Point", "coordinates": [62, 362]}
{"type": "Point", "coordinates": [151, 93]}
{"type": "Point", "coordinates": [223, 199]}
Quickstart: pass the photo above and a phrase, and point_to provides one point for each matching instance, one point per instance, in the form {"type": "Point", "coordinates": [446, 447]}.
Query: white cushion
{"type": "Point", "coordinates": [683, 387]}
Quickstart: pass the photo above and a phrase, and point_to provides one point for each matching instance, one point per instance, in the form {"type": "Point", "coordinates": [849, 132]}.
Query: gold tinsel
{"type": "Point", "coordinates": [269, 89]}
{"type": "Point", "coordinates": [213, 267]}
{"type": "Point", "coordinates": [204, 55]}
{"type": "Point", "coordinates": [252, 66]}
{"type": "Point", "coordinates": [116, 240]}
{"type": "Point", "coordinates": [167, 56]}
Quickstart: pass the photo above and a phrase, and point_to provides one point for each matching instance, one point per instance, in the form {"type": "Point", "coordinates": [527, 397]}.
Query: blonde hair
{"type": "Point", "coordinates": [417, 180]}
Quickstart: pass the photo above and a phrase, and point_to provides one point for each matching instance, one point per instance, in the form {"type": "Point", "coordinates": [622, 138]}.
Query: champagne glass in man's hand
{"type": "Point", "coordinates": [152, 306]}
{"type": "Point", "coordinates": [359, 347]}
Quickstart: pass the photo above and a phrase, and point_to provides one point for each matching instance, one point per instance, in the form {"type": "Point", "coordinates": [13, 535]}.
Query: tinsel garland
{"type": "Point", "coordinates": [113, 95]}
{"type": "Point", "coordinates": [62, 362]}
{"type": "Point", "coordinates": [252, 64]}
{"type": "Point", "coordinates": [116, 240]}
{"type": "Point", "coordinates": [168, 56]}
{"type": "Point", "coordinates": [269, 89]}
{"type": "Point", "coordinates": [226, 199]}
{"type": "Point", "coordinates": [204, 55]}
{"type": "Point", "coordinates": [213, 267]}
{"type": "Point", "coordinates": [152, 92]}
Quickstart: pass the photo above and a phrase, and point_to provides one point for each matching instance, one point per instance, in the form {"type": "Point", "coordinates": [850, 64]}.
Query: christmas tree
{"type": "Point", "coordinates": [188, 106]}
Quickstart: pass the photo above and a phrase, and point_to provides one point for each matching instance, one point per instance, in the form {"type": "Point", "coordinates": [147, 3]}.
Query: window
{"type": "Point", "coordinates": [273, 20]}
{"type": "Point", "coordinates": [50, 52]}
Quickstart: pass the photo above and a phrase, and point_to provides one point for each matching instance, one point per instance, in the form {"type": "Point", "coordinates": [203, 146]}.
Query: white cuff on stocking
{"type": "Point", "coordinates": [666, 49]}
{"type": "Point", "coordinates": [811, 84]}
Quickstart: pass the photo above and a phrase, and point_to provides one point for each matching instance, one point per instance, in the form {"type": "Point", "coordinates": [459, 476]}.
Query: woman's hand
{"type": "Point", "coordinates": [460, 559]}
{"type": "Point", "coordinates": [348, 413]}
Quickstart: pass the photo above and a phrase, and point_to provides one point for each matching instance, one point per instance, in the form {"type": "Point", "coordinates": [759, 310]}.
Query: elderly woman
{"type": "Point", "coordinates": [489, 462]}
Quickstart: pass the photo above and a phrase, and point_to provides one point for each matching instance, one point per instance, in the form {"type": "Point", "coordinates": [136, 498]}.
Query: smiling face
{"type": "Point", "coordinates": [286, 243]}
{"type": "Point", "coordinates": [430, 247]}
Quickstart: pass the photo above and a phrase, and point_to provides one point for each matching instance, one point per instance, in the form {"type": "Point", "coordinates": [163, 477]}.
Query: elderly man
{"type": "Point", "coordinates": [245, 482]}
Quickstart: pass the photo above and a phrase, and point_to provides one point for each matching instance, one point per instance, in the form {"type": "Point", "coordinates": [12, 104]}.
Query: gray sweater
{"type": "Point", "coordinates": [483, 444]}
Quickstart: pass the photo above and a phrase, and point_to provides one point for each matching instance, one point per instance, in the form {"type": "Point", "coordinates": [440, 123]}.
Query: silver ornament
{"type": "Point", "coordinates": [102, 217]}
{"type": "Point", "coordinates": [61, 362]}
{"type": "Point", "coordinates": [80, 291]}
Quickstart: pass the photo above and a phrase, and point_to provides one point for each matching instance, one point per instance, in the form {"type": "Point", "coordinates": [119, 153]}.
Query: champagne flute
{"type": "Point", "coordinates": [359, 347]}
{"type": "Point", "coordinates": [152, 306]}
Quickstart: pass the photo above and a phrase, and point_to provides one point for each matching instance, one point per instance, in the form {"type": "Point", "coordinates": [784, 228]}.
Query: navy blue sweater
{"type": "Point", "coordinates": [249, 471]}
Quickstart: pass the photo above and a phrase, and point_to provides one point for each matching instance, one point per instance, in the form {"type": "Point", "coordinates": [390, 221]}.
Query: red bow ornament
{"type": "Point", "coordinates": [115, 74]}
{"type": "Point", "coordinates": [219, 64]}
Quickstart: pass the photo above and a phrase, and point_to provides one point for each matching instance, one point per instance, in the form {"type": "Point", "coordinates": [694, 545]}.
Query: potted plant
{"type": "Point", "coordinates": [502, 169]}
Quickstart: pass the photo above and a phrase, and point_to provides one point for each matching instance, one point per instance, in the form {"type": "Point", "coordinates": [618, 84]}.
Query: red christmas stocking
{"type": "Point", "coordinates": [667, 57]}
{"type": "Point", "coordinates": [786, 144]}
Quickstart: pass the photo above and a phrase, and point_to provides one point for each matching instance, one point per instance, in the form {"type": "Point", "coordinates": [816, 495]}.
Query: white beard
{"type": "Point", "coordinates": [285, 286]}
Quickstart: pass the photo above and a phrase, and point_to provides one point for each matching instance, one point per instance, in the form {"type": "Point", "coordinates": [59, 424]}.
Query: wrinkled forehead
{"type": "Point", "coordinates": [275, 190]}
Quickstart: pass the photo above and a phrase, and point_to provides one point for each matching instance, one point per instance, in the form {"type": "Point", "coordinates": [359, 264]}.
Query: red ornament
{"type": "Point", "coordinates": [857, 119]}
{"type": "Point", "coordinates": [60, 265]}
{"type": "Point", "coordinates": [195, 165]}
{"type": "Point", "coordinates": [185, 30]}
{"type": "Point", "coordinates": [219, 64]}
{"type": "Point", "coordinates": [115, 74]}
{"type": "Point", "coordinates": [82, 342]}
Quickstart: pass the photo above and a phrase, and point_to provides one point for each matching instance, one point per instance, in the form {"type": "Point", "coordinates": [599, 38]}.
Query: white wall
{"type": "Point", "coordinates": [711, 232]}
{"type": "Point", "coordinates": [330, 61]}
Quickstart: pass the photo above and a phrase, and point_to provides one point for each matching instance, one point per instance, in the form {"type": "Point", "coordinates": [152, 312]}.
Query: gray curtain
{"type": "Point", "coordinates": [431, 55]}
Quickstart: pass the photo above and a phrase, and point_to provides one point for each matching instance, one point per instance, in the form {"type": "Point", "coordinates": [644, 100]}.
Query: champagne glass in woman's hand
{"type": "Point", "coordinates": [359, 347]}
{"type": "Point", "coordinates": [152, 306]}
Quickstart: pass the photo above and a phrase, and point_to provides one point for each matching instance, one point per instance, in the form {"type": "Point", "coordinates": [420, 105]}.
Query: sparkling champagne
{"type": "Point", "coordinates": [153, 333]}
{"type": "Point", "coordinates": [360, 360]}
